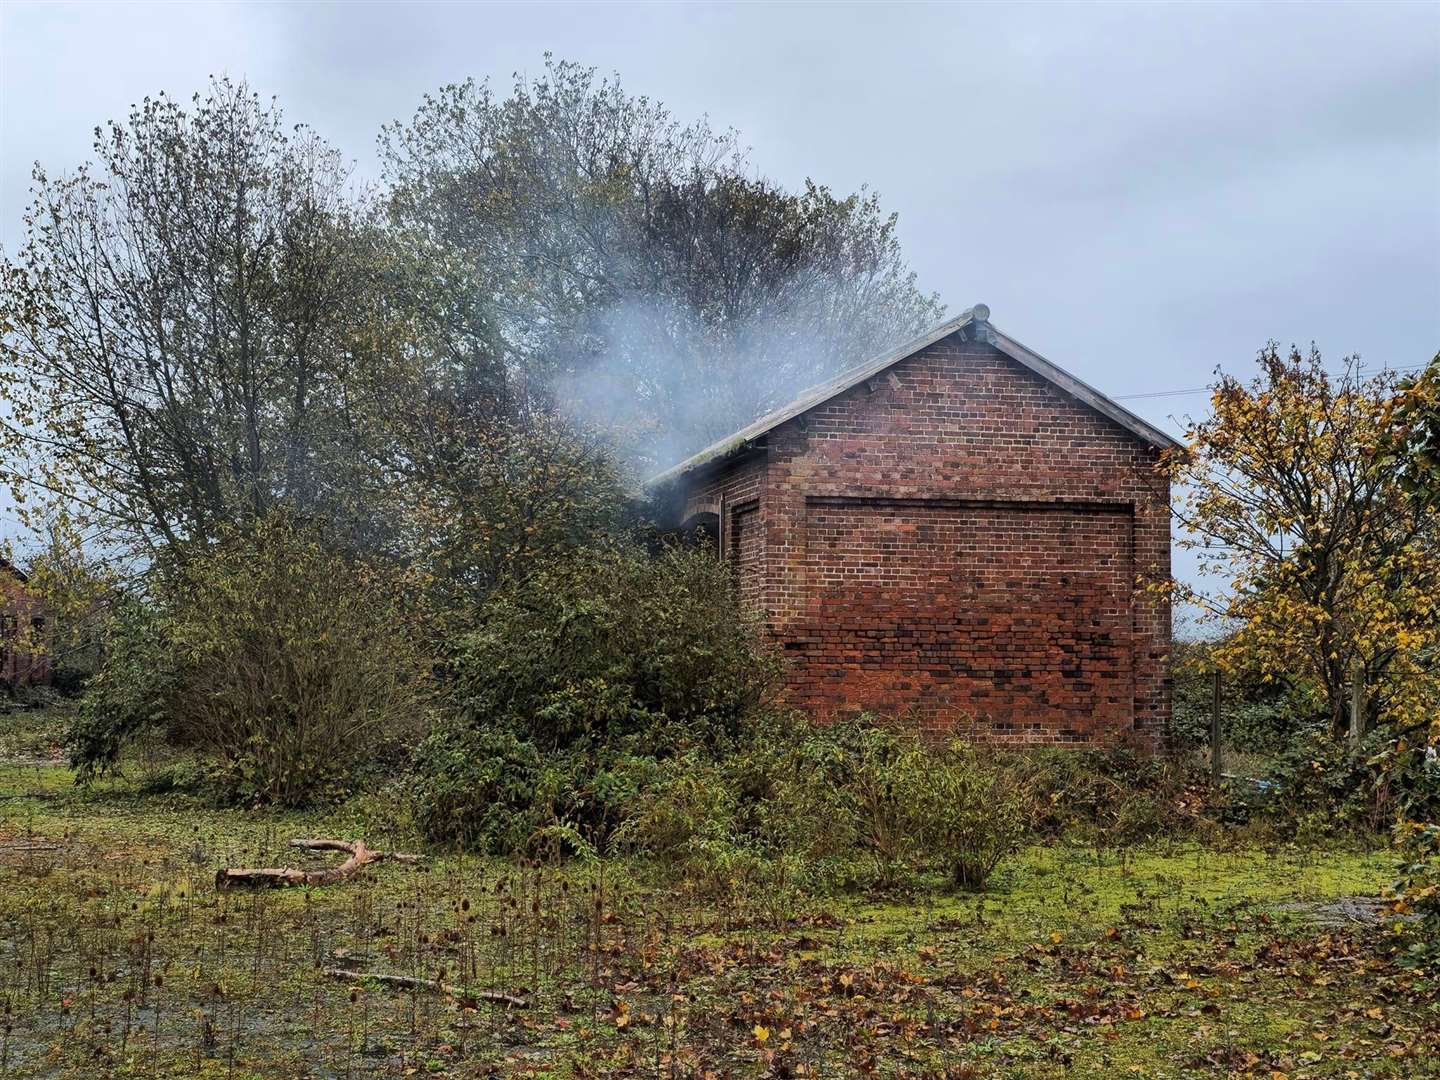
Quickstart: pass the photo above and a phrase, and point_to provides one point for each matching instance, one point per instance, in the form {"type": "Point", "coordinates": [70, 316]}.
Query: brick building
{"type": "Point", "coordinates": [24, 632]}
{"type": "Point", "coordinates": [958, 532]}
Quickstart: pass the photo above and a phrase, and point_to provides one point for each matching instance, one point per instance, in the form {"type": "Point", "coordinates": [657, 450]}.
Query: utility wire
{"type": "Point", "coordinates": [1211, 387]}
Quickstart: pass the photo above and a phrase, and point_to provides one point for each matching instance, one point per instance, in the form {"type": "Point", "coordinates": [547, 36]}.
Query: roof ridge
{"type": "Point", "coordinates": [978, 314]}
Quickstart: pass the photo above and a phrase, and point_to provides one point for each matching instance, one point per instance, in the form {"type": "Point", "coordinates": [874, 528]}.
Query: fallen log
{"type": "Point", "coordinates": [278, 877]}
{"type": "Point", "coordinates": [434, 986]}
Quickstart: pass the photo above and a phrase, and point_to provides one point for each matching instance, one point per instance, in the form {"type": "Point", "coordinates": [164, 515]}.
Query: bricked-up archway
{"type": "Point", "coordinates": [1008, 620]}
{"type": "Point", "coordinates": [957, 532]}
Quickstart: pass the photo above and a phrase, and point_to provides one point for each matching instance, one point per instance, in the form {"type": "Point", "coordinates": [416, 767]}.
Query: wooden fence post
{"type": "Point", "coordinates": [1215, 730]}
{"type": "Point", "coordinates": [1357, 703]}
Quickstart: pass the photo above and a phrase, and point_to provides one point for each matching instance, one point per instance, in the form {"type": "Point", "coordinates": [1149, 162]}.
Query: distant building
{"type": "Point", "coordinates": [953, 532]}
{"type": "Point", "coordinates": [23, 623]}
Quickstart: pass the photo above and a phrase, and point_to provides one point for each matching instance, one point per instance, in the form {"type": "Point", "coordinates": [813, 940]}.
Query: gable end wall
{"type": "Point", "coordinates": [961, 542]}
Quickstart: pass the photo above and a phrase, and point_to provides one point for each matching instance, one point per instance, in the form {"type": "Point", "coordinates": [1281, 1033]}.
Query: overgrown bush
{"type": "Point", "coordinates": [490, 789]}
{"type": "Point", "coordinates": [696, 823]}
{"type": "Point", "coordinates": [973, 812]}
{"type": "Point", "coordinates": [129, 693]}
{"type": "Point", "coordinates": [822, 806]}
{"type": "Point", "coordinates": [1109, 796]}
{"type": "Point", "coordinates": [295, 665]}
{"type": "Point", "coordinates": [792, 804]}
{"type": "Point", "coordinates": [615, 645]}
{"type": "Point", "coordinates": [284, 661]}
{"type": "Point", "coordinates": [867, 780]}
{"type": "Point", "coordinates": [1322, 785]}
{"type": "Point", "coordinates": [583, 676]}
{"type": "Point", "coordinates": [1256, 715]}
{"type": "Point", "coordinates": [1417, 888]}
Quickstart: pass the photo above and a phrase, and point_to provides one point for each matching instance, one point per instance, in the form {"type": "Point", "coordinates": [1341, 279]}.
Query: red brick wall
{"type": "Point", "coordinates": [734, 496]}
{"type": "Point", "coordinates": [996, 620]}
{"type": "Point", "coordinates": [19, 629]}
{"type": "Point", "coordinates": [960, 541]}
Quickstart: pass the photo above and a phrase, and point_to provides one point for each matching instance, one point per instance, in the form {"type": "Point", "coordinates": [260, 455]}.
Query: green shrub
{"type": "Point", "coordinates": [490, 789]}
{"type": "Point", "coordinates": [821, 806]}
{"type": "Point", "coordinates": [285, 661]}
{"type": "Point", "coordinates": [972, 812]}
{"type": "Point", "coordinates": [296, 667]}
{"type": "Point", "coordinates": [768, 809]}
{"type": "Point", "coordinates": [690, 823]}
{"type": "Point", "coordinates": [1257, 715]}
{"type": "Point", "coordinates": [616, 645]}
{"type": "Point", "coordinates": [1323, 784]}
{"type": "Point", "coordinates": [130, 693]}
{"type": "Point", "coordinates": [863, 780]}
{"type": "Point", "coordinates": [476, 788]}
{"type": "Point", "coordinates": [577, 682]}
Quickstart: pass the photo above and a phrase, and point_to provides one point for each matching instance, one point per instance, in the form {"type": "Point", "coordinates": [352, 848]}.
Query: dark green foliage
{"type": "Point", "coordinates": [492, 790]}
{"type": "Point", "coordinates": [477, 787]}
{"type": "Point", "coordinates": [579, 678]}
{"type": "Point", "coordinates": [129, 693]}
{"type": "Point", "coordinates": [614, 647]}
{"type": "Point", "coordinates": [1326, 786]}
{"type": "Point", "coordinates": [1256, 716]}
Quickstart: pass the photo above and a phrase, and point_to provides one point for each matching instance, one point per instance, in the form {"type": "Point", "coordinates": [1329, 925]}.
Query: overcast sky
{"type": "Point", "coordinates": [1139, 192]}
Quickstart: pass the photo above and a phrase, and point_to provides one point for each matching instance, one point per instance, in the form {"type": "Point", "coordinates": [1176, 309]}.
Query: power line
{"type": "Point", "coordinates": [1164, 393]}
{"type": "Point", "coordinates": [1211, 387]}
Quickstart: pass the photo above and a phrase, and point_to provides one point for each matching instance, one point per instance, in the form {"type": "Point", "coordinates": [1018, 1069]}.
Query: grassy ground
{"type": "Point", "coordinates": [119, 958]}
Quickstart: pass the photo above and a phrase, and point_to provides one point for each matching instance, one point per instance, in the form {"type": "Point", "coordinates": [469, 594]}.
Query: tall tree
{"type": "Point", "coordinates": [1415, 432]}
{"type": "Point", "coordinates": [180, 325]}
{"type": "Point", "coordinates": [638, 269]}
{"type": "Point", "coordinates": [1301, 519]}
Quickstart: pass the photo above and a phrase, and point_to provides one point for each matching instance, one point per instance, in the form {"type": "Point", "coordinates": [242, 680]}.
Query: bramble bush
{"type": "Point", "coordinates": [1322, 786]}
{"type": "Point", "coordinates": [1109, 796]}
{"type": "Point", "coordinates": [615, 646]}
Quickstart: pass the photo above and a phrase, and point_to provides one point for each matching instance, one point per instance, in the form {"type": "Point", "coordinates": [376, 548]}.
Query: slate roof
{"type": "Point", "coordinates": [975, 323]}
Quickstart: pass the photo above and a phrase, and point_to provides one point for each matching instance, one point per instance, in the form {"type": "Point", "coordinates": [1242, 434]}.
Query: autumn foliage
{"type": "Point", "coordinates": [1312, 547]}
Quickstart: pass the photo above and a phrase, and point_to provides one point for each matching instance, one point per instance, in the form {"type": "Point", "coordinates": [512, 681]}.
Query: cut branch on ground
{"type": "Point", "coordinates": [279, 877]}
{"type": "Point", "coordinates": [434, 986]}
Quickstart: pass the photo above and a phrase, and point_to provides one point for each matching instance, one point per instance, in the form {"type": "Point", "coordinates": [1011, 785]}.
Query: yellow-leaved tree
{"type": "Point", "coordinates": [1312, 545]}
{"type": "Point", "coordinates": [1414, 442]}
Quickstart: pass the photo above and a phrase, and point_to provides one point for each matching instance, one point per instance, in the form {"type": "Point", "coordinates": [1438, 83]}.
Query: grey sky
{"type": "Point", "coordinates": [1138, 192]}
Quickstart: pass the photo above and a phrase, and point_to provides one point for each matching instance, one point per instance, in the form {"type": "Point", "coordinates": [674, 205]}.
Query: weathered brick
{"type": "Point", "coordinates": [964, 544]}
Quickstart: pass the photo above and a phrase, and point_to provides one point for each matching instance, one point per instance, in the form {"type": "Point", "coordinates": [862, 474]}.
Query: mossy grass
{"type": "Point", "coordinates": [1173, 959]}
